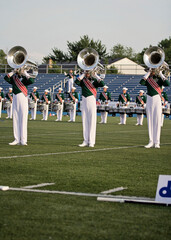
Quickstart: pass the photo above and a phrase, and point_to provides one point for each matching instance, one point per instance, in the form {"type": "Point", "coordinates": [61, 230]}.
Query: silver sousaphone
{"type": "Point", "coordinates": [17, 58]}
{"type": "Point", "coordinates": [88, 60]}
{"type": "Point", "coordinates": [154, 58]}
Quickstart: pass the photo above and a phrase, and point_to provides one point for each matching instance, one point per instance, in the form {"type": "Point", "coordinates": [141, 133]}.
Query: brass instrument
{"type": "Point", "coordinates": [154, 58]}
{"type": "Point", "coordinates": [88, 60]}
{"type": "Point", "coordinates": [17, 58]}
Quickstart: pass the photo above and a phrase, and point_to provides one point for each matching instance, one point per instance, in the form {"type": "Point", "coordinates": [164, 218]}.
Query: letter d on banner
{"type": "Point", "coordinates": [163, 193]}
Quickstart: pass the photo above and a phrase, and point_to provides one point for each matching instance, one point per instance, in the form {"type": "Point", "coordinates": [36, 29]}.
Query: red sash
{"type": "Point", "coordinates": [9, 95]}
{"type": "Point", "coordinates": [90, 86]}
{"type": "Point", "coordinates": [140, 99]}
{"type": "Point", "coordinates": [60, 99]}
{"type": "Point", "coordinates": [20, 85]}
{"type": "Point", "coordinates": [34, 96]}
{"type": "Point", "coordinates": [105, 95]}
{"type": "Point", "coordinates": [124, 98]}
{"type": "Point", "coordinates": [154, 85]}
{"type": "Point", "coordinates": [45, 98]}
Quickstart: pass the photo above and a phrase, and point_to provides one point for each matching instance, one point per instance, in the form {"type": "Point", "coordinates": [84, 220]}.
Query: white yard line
{"type": "Point", "coordinates": [39, 185]}
{"type": "Point", "coordinates": [113, 190]}
{"type": "Point", "coordinates": [71, 152]}
{"type": "Point", "coordinates": [74, 152]}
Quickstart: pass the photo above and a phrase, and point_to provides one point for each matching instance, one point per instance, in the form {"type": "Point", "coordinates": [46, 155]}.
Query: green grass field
{"type": "Point", "coordinates": [43, 216]}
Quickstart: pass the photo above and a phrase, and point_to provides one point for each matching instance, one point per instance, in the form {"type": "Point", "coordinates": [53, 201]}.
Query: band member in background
{"type": "Point", "coordinates": [74, 99]}
{"type": "Point", "coordinates": [164, 100]}
{"type": "Point", "coordinates": [9, 98]}
{"type": "Point", "coordinates": [19, 80]}
{"type": "Point", "coordinates": [123, 100]}
{"type": "Point", "coordinates": [154, 83]}
{"type": "Point", "coordinates": [60, 99]}
{"type": "Point", "coordinates": [89, 113]}
{"type": "Point", "coordinates": [34, 97]}
{"type": "Point", "coordinates": [105, 97]}
{"type": "Point", "coordinates": [141, 101]}
{"type": "Point", "coordinates": [70, 76]}
{"type": "Point", "coordinates": [1, 99]}
{"type": "Point", "coordinates": [45, 99]}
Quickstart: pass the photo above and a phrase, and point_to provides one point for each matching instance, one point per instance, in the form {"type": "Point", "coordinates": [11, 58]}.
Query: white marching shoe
{"type": "Point", "coordinates": [156, 145]}
{"type": "Point", "coordinates": [91, 145]}
{"type": "Point", "coordinates": [150, 145]}
{"type": "Point", "coordinates": [83, 144]}
{"type": "Point", "coordinates": [14, 143]}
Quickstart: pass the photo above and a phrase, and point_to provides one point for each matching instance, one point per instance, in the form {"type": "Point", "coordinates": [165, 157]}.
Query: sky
{"type": "Point", "coordinates": [40, 25]}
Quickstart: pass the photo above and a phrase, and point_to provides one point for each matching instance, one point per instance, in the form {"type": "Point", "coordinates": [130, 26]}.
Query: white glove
{"type": "Point", "coordinates": [10, 74]}
{"type": "Point", "coordinates": [97, 77]}
{"type": "Point", "coordinates": [75, 72]}
{"type": "Point", "coordinates": [65, 73]}
{"type": "Point", "coordinates": [102, 76]}
{"type": "Point", "coordinates": [26, 74]}
{"type": "Point", "coordinates": [147, 75]}
{"type": "Point", "coordinates": [81, 76]}
{"type": "Point", "coordinates": [161, 75]}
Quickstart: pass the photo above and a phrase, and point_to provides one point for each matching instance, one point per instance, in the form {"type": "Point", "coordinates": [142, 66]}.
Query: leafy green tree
{"type": "Point", "coordinates": [74, 48]}
{"type": "Point", "coordinates": [120, 51]}
{"type": "Point", "coordinates": [166, 46]}
{"type": "Point", "coordinates": [57, 56]}
{"type": "Point", "coordinates": [2, 57]}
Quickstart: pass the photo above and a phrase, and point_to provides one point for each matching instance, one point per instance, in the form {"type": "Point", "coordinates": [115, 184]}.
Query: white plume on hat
{"type": "Point", "coordinates": [10, 88]}
{"type": "Point", "coordinates": [46, 90]}
{"type": "Point", "coordinates": [124, 88]}
{"type": "Point", "coordinates": [105, 86]}
{"type": "Point", "coordinates": [74, 88]}
{"type": "Point", "coordinates": [35, 88]}
{"type": "Point", "coordinates": [1, 88]}
{"type": "Point", "coordinates": [60, 89]}
{"type": "Point", "coordinates": [141, 91]}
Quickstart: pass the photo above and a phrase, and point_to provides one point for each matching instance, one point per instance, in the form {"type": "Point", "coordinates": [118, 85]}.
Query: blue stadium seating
{"type": "Point", "coordinates": [114, 82]}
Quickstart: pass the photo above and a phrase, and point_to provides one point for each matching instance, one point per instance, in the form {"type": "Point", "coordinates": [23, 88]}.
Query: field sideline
{"type": "Point", "coordinates": [53, 156]}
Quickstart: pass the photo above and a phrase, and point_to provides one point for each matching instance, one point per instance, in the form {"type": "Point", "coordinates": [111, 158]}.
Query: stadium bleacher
{"type": "Point", "coordinates": [114, 82]}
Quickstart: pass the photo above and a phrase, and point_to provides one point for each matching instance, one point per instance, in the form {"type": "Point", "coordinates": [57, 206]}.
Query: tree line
{"type": "Point", "coordinates": [116, 52]}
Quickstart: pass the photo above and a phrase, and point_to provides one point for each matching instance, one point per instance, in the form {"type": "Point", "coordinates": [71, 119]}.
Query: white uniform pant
{"type": "Point", "coordinates": [104, 117]}
{"type": "Point", "coordinates": [89, 118]}
{"type": "Point", "coordinates": [45, 113]}
{"type": "Point", "coordinates": [123, 118]}
{"type": "Point", "coordinates": [20, 116]}
{"type": "Point", "coordinates": [162, 120]}
{"type": "Point", "coordinates": [154, 111]}
{"type": "Point", "coordinates": [0, 108]}
{"type": "Point", "coordinates": [70, 84]}
{"type": "Point", "coordinates": [33, 112]}
{"type": "Point", "coordinates": [73, 113]}
{"type": "Point", "coordinates": [9, 111]}
{"type": "Point", "coordinates": [59, 113]}
{"type": "Point", "coordinates": [140, 118]}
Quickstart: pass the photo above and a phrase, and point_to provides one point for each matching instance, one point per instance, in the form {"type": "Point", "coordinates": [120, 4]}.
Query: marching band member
{"type": "Point", "coordinates": [154, 83]}
{"type": "Point", "coordinates": [140, 100]}
{"type": "Point", "coordinates": [1, 99]}
{"type": "Point", "coordinates": [19, 80]}
{"type": "Point", "coordinates": [9, 97]}
{"type": "Point", "coordinates": [70, 76]}
{"type": "Point", "coordinates": [46, 100]}
{"type": "Point", "coordinates": [123, 99]}
{"type": "Point", "coordinates": [89, 113]}
{"type": "Point", "coordinates": [164, 100]}
{"type": "Point", "coordinates": [59, 98]}
{"type": "Point", "coordinates": [74, 99]}
{"type": "Point", "coordinates": [105, 97]}
{"type": "Point", "coordinates": [34, 96]}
